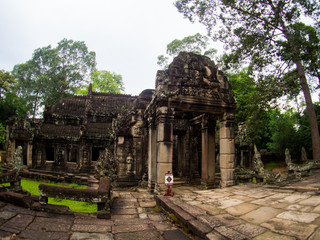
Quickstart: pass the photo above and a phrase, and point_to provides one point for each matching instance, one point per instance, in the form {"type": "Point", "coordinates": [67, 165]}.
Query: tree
{"type": "Point", "coordinates": [252, 107]}
{"type": "Point", "coordinates": [10, 104]}
{"type": "Point", "coordinates": [6, 81]}
{"type": "Point", "coordinates": [53, 73]}
{"type": "Point", "coordinates": [283, 128]}
{"type": "Point", "coordinates": [263, 33]}
{"type": "Point", "coordinates": [195, 43]}
{"type": "Point", "coordinates": [104, 81]}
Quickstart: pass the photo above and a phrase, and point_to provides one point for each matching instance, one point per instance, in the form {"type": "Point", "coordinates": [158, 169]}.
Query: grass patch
{"type": "Point", "coordinates": [76, 206]}
{"type": "Point", "coordinates": [272, 165]}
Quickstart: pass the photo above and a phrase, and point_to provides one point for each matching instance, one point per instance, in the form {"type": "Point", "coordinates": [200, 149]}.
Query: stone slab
{"type": "Point", "coordinates": [296, 197]}
{"type": "Point", "coordinates": [273, 236]}
{"type": "Point", "coordinates": [4, 234]}
{"type": "Point", "coordinates": [41, 235]}
{"type": "Point", "coordinates": [228, 202]}
{"type": "Point", "coordinates": [299, 216]}
{"type": "Point", "coordinates": [174, 235]}
{"type": "Point", "coordinates": [124, 211]}
{"type": "Point", "coordinates": [290, 228]}
{"type": "Point", "coordinates": [93, 221]}
{"type": "Point", "coordinates": [146, 235]}
{"type": "Point", "coordinates": [132, 221]}
{"type": "Point", "coordinates": [147, 204]}
{"type": "Point", "coordinates": [315, 235]}
{"type": "Point", "coordinates": [241, 209]}
{"type": "Point", "coordinates": [261, 215]}
{"type": "Point", "coordinates": [124, 204]}
{"type": "Point", "coordinates": [156, 217]}
{"type": "Point", "coordinates": [90, 228]}
{"type": "Point", "coordinates": [163, 226]}
{"type": "Point", "coordinates": [47, 224]}
{"type": "Point", "coordinates": [230, 233]}
{"type": "Point", "coordinates": [7, 215]}
{"type": "Point", "coordinates": [249, 230]}
{"type": "Point", "coordinates": [131, 228]}
{"type": "Point", "coordinates": [19, 222]}
{"type": "Point", "coordinates": [210, 209]}
{"type": "Point", "coordinates": [91, 236]}
{"type": "Point", "coordinates": [190, 209]}
{"type": "Point", "coordinates": [312, 201]}
{"type": "Point", "coordinates": [124, 217]}
{"type": "Point", "coordinates": [199, 228]}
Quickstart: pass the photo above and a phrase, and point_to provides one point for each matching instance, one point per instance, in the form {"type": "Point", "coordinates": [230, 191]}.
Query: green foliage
{"type": "Point", "coordinates": [270, 37]}
{"type": "Point", "coordinates": [284, 133]}
{"type": "Point", "coordinates": [10, 106]}
{"type": "Point", "coordinates": [76, 206]}
{"type": "Point", "coordinates": [104, 81]}
{"type": "Point", "coordinates": [6, 82]}
{"type": "Point", "coordinates": [53, 73]}
{"type": "Point", "coordinates": [291, 130]}
{"type": "Point", "coordinates": [251, 108]}
{"type": "Point", "coordinates": [2, 136]}
{"type": "Point", "coordinates": [254, 180]}
{"type": "Point", "coordinates": [195, 43]}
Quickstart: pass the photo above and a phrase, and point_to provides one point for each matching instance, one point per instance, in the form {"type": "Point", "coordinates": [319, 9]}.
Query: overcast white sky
{"type": "Point", "coordinates": [126, 35]}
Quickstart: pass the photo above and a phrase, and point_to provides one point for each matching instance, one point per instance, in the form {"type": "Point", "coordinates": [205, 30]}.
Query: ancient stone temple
{"type": "Point", "coordinates": [172, 128]}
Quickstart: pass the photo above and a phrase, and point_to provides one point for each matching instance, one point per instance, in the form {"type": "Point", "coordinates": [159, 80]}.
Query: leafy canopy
{"type": "Point", "coordinates": [268, 36]}
{"type": "Point", "coordinates": [53, 73]}
{"type": "Point", "coordinates": [194, 43]}
{"type": "Point", "coordinates": [6, 82]}
{"type": "Point", "coordinates": [104, 81]}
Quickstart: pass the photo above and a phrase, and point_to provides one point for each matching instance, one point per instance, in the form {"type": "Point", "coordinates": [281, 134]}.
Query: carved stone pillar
{"type": "Point", "coordinates": [208, 152]}
{"type": "Point", "coordinates": [152, 161]}
{"type": "Point", "coordinates": [164, 146]}
{"type": "Point", "coordinates": [227, 150]}
{"type": "Point", "coordinates": [29, 154]}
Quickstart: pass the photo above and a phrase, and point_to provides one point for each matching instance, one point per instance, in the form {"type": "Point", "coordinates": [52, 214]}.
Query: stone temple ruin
{"type": "Point", "coordinates": [171, 128]}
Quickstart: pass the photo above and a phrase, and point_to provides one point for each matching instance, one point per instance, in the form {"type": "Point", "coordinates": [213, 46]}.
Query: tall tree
{"type": "Point", "coordinates": [104, 81]}
{"type": "Point", "coordinates": [194, 43]}
{"type": "Point", "coordinates": [6, 81]}
{"type": "Point", "coordinates": [263, 33]}
{"type": "Point", "coordinates": [54, 73]}
{"type": "Point", "coordinates": [10, 104]}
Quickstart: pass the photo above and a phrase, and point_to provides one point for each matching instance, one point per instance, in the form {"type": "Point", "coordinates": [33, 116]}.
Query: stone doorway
{"type": "Point", "coordinates": [190, 97]}
{"type": "Point", "coordinates": [24, 145]}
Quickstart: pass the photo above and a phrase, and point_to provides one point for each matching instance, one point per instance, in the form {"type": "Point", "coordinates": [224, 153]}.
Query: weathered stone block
{"type": "Point", "coordinates": [227, 146]}
{"type": "Point", "coordinates": [227, 161]}
{"type": "Point", "coordinates": [227, 174]}
{"type": "Point", "coordinates": [226, 132]}
{"type": "Point", "coordinates": [164, 152]}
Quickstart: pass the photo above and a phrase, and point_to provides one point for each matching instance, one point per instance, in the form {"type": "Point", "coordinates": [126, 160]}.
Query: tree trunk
{"type": "Point", "coordinates": [35, 105]}
{"type": "Point", "coordinates": [311, 112]}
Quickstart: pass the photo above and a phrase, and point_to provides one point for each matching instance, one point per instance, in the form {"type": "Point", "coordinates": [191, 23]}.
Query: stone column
{"type": "Point", "coordinates": [208, 152]}
{"type": "Point", "coordinates": [152, 161]}
{"type": "Point", "coordinates": [227, 150]}
{"type": "Point", "coordinates": [164, 146]}
{"type": "Point", "coordinates": [29, 154]}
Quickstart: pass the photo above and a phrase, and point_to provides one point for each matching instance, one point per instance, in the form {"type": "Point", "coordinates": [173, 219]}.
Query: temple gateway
{"type": "Point", "coordinates": [171, 128]}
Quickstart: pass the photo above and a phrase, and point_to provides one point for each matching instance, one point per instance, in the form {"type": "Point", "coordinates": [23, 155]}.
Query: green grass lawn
{"type": "Point", "coordinates": [75, 206]}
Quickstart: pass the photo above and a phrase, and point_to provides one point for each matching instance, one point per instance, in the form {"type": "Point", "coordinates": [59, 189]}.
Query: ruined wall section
{"type": "Point", "coordinates": [131, 141]}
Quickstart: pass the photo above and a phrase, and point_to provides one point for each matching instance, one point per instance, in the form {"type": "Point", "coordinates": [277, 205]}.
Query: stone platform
{"type": "Point", "coordinates": [134, 216]}
{"type": "Point", "coordinates": [247, 211]}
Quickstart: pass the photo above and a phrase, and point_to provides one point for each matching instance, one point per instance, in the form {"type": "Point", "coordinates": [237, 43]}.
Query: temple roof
{"type": "Point", "coordinates": [52, 130]}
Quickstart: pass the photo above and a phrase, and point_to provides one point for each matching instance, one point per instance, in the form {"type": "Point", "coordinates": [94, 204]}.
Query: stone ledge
{"type": "Point", "coordinates": [197, 221]}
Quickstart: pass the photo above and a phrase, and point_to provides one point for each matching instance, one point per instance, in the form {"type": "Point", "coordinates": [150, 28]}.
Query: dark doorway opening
{"type": "Point", "coordinates": [49, 153]}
